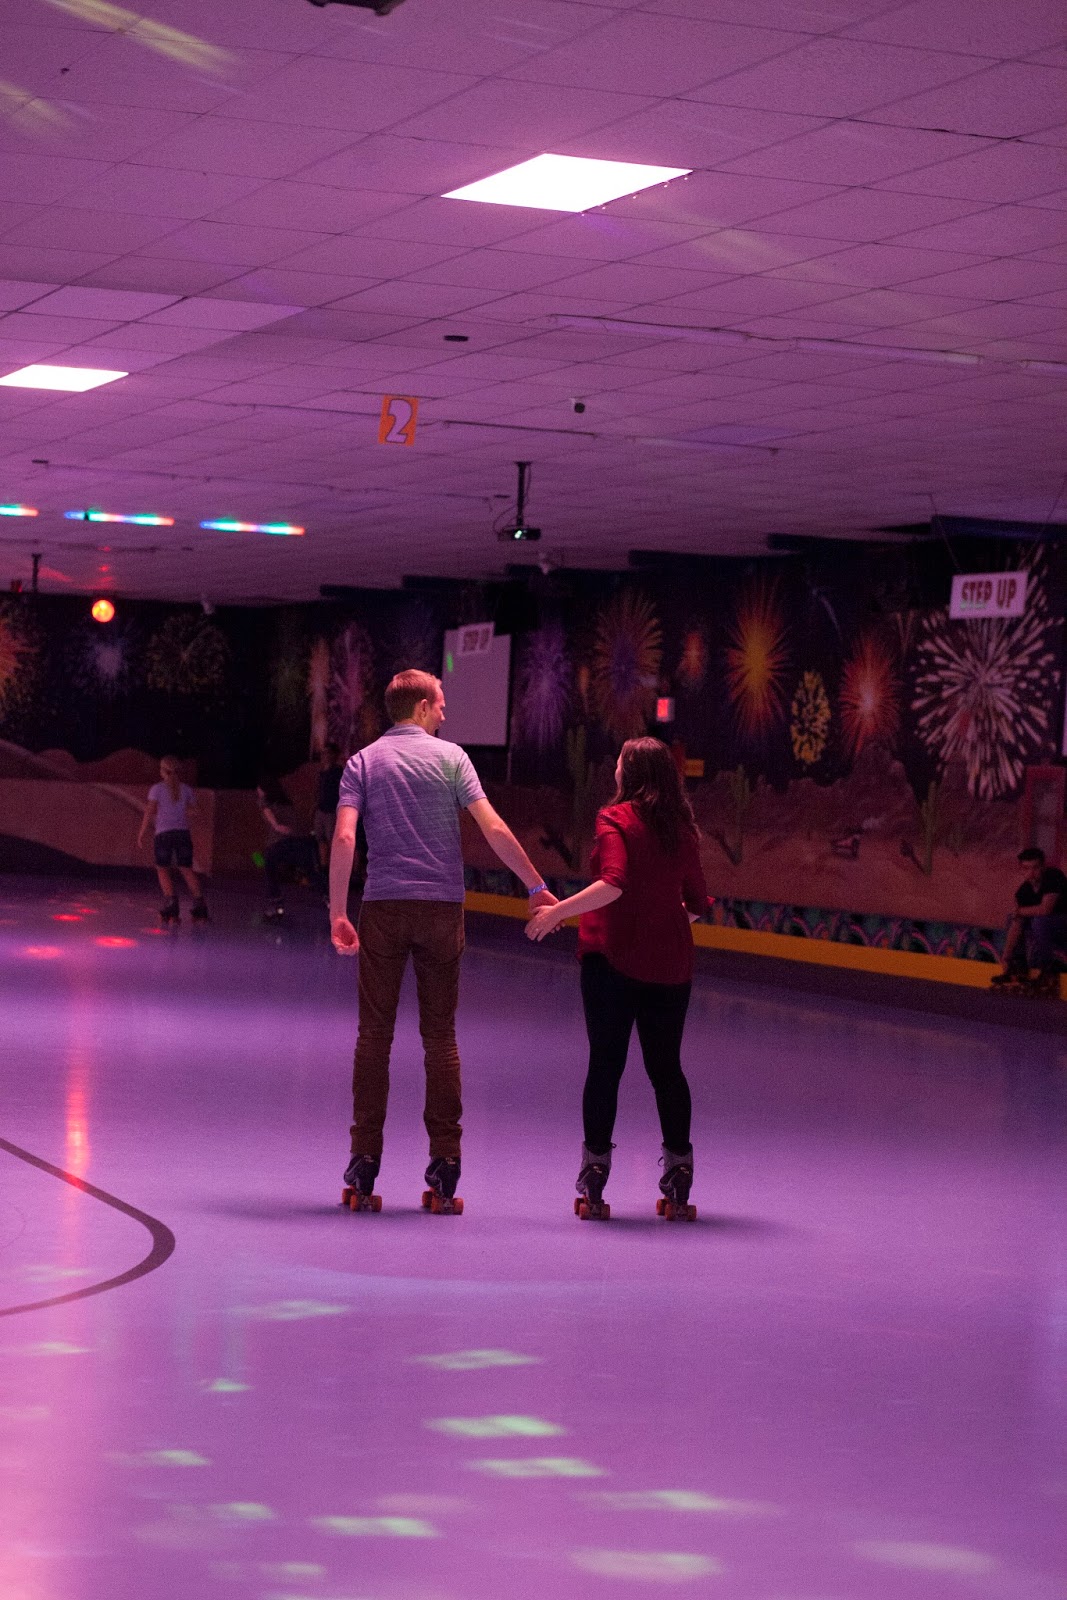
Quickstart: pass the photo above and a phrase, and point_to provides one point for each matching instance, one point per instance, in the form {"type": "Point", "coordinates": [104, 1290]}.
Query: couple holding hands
{"type": "Point", "coordinates": [634, 942]}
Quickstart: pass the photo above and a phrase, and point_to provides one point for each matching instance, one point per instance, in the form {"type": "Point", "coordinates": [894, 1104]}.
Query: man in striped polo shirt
{"type": "Point", "coordinates": [408, 787]}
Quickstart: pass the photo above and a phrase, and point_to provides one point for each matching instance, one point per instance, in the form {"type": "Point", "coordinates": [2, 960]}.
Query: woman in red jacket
{"type": "Point", "coordinates": [636, 954]}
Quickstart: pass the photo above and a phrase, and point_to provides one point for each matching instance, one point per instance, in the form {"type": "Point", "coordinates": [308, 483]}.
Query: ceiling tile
{"type": "Point", "coordinates": [111, 305]}
{"type": "Point", "coordinates": [879, 266]}
{"type": "Point", "coordinates": [368, 257]}
{"type": "Point", "coordinates": [317, 92]}
{"type": "Point", "coordinates": [162, 191]}
{"type": "Point", "coordinates": [247, 149]}
{"type": "Point", "coordinates": [410, 166]}
{"type": "Point", "coordinates": [165, 277]}
{"type": "Point", "coordinates": [14, 295]}
{"type": "Point", "coordinates": [871, 215]}
{"type": "Point", "coordinates": [979, 28]}
{"type": "Point", "coordinates": [121, 71]}
{"type": "Point", "coordinates": [440, 221]}
{"type": "Point", "coordinates": [232, 316]}
{"type": "Point", "coordinates": [1000, 280]}
{"type": "Point", "coordinates": [1005, 230]}
{"type": "Point", "coordinates": [321, 208]}
{"type": "Point", "coordinates": [660, 55]}
{"type": "Point", "coordinates": [44, 179]}
{"type": "Point", "coordinates": [100, 132]}
{"type": "Point", "coordinates": [1003, 172]}
{"type": "Point", "coordinates": [837, 78]}
{"type": "Point", "coordinates": [853, 152]}
{"type": "Point", "coordinates": [484, 40]}
{"type": "Point", "coordinates": [500, 112]}
{"type": "Point", "coordinates": [71, 228]}
{"type": "Point", "coordinates": [233, 244]}
{"type": "Point", "coordinates": [1002, 102]}
{"type": "Point", "coordinates": [718, 199]}
{"type": "Point", "coordinates": [502, 270]}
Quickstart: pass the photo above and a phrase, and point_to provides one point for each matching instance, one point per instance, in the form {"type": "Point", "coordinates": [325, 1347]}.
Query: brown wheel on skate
{"type": "Point", "coordinates": [661, 1207]}
{"type": "Point", "coordinates": [581, 1209]}
{"type": "Point", "coordinates": [578, 1206]}
{"type": "Point", "coordinates": [376, 1202]}
{"type": "Point", "coordinates": [457, 1207]}
{"type": "Point", "coordinates": [346, 1195]}
{"type": "Point", "coordinates": [605, 1212]}
{"type": "Point", "coordinates": [690, 1213]}
{"type": "Point", "coordinates": [427, 1199]}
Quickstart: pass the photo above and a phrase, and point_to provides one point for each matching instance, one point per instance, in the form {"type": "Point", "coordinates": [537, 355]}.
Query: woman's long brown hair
{"type": "Point", "coordinates": [650, 781]}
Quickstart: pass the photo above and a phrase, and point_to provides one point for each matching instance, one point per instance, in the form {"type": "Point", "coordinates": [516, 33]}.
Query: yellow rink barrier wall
{"type": "Point", "coordinates": [820, 952]}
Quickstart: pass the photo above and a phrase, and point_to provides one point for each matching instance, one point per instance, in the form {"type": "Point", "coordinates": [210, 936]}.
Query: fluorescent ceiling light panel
{"type": "Point", "coordinates": [18, 511]}
{"type": "Point", "coordinates": [228, 525]}
{"type": "Point", "coordinates": [564, 183]}
{"type": "Point", "coordinates": [73, 379]}
{"type": "Point", "coordinates": [143, 519]}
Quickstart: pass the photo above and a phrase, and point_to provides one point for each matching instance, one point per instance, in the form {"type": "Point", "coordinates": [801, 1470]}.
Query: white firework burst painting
{"type": "Point", "coordinates": [985, 691]}
{"type": "Point", "coordinates": [544, 686]}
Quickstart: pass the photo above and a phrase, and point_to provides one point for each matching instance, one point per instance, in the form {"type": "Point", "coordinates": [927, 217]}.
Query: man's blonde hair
{"type": "Point", "coordinates": [406, 690]}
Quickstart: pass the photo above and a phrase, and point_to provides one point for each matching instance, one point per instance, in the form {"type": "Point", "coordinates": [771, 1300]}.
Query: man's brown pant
{"type": "Point", "coordinates": [431, 933]}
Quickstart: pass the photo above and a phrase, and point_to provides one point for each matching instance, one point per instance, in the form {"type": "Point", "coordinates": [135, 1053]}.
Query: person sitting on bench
{"type": "Point", "coordinates": [1037, 930]}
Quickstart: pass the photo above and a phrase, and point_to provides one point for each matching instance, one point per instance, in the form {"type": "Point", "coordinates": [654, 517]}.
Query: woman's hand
{"type": "Point", "coordinates": [545, 921]}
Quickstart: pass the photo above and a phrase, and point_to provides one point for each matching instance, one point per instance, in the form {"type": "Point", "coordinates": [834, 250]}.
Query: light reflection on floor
{"type": "Point", "coordinates": [845, 1382]}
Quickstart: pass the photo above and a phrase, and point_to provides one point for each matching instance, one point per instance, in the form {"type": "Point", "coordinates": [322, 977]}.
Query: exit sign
{"type": "Point", "coordinates": [987, 594]}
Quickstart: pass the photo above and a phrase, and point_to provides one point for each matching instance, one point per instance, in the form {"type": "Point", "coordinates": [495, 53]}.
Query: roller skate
{"type": "Point", "coordinates": [1045, 985]}
{"type": "Point", "coordinates": [595, 1170]}
{"type": "Point", "coordinates": [1016, 980]}
{"type": "Point", "coordinates": [442, 1175]}
{"type": "Point", "coordinates": [169, 912]}
{"type": "Point", "coordinates": [675, 1184]}
{"type": "Point", "coordinates": [358, 1192]}
{"type": "Point", "coordinates": [199, 911]}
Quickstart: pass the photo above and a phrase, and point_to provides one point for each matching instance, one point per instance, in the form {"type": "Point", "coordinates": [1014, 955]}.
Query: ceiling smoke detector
{"type": "Point", "coordinates": [381, 8]}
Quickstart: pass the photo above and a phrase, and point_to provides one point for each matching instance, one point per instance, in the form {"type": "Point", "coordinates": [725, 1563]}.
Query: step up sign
{"type": "Point", "coordinates": [987, 594]}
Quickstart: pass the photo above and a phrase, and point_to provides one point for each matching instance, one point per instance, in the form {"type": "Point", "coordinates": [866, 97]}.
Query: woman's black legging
{"type": "Point", "coordinates": [613, 1003]}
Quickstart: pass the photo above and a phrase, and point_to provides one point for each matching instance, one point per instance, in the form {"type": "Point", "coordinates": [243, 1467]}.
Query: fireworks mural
{"type": "Point", "coordinates": [756, 659]}
{"type": "Point", "coordinates": [544, 684]}
{"type": "Point", "coordinates": [17, 655]}
{"type": "Point", "coordinates": [693, 662]}
{"type": "Point", "coordinates": [98, 661]}
{"type": "Point", "coordinates": [318, 691]}
{"type": "Point", "coordinates": [627, 652]}
{"type": "Point", "coordinates": [870, 696]}
{"type": "Point", "coordinates": [352, 718]}
{"type": "Point", "coordinates": [188, 656]}
{"type": "Point", "coordinates": [809, 720]}
{"type": "Point", "coordinates": [985, 691]}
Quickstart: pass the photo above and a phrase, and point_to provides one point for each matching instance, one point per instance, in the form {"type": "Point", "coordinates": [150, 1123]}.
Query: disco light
{"type": "Point", "coordinates": [18, 511]}
{"type": "Point", "coordinates": [103, 611]}
{"type": "Point", "coordinates": [228, 525]}
{"type": "Point", "coordinates": [144, 520]}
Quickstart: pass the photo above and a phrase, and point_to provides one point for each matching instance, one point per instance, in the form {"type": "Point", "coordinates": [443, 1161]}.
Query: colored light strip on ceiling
{"type": "Point", "coordinates": [18, 511]}
{"type": "Point", "coordinates": [144, 520]}
{"type": "Point", "coordinates": [228, 525]}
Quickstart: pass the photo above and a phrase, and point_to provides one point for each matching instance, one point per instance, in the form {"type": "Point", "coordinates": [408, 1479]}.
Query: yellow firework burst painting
{"type": "Point", "coordinates": [809, 723]}
{"type": "Point", "coordinates": [870, 706]}
{"type": "Point", "coordinates": [756, 660]}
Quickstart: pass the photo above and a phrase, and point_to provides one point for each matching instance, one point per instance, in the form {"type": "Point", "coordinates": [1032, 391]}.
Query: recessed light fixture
{"type": "Point", "coordinates": [74, 379]}
{"type": "Point", "coordinates": [143, 519]}
{"type": "Point", "coordinates": [18, 511]}
{"type": "Point", "coordinates": [564, 183]}
{"type": "Point", "coordinates": [227, 525]}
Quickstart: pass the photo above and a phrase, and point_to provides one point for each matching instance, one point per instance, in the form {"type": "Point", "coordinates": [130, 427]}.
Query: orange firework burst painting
{"type": "Point", "coordinates": [870, 707]}
{"type": "Point", "coordinates": [756, 659]}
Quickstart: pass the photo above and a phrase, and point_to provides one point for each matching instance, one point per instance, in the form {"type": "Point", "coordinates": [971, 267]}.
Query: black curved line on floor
{"type": "Point", "coordinates": [163, 1240]}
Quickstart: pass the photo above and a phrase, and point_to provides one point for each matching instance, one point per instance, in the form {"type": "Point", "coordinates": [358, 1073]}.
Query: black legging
{"type": "Point", "coordinates": [613, 1003]}
{"type": "Point", "coordinates": [294, 850]}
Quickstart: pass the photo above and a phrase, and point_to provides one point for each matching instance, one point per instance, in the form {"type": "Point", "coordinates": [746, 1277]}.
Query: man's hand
{"type": "Point", "coordinates": [541, 900]}
{"type": "Point", "coordinates": [344, 936]}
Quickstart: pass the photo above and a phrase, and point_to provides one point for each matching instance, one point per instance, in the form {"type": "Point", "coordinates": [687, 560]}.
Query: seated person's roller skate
{"type": "Point", "coordinates": [595, 1171]}
{"type": "Point", "coordinates": [1015, 979]}
{"type": "Point", "coordinates": [358, 1192]}
{"type": "Point", "coordinates": [442, 1175]}
{"type": "Point", "coordinates": [169, 912]}
{"type": "Point", "coordinates": [199, 911]}
{"type": "Point", "coordinates": [675, 1184]}
{"type": "Point", "coordinates": [1045, 984]}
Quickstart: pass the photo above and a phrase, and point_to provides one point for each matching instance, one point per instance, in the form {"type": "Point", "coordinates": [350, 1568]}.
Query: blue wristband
{"type": "Point", "coordinates": [538, 888]}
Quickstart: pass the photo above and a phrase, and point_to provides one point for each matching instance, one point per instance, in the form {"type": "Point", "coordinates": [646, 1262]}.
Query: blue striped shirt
{"type": "Point", "coordinates": [408, 788]}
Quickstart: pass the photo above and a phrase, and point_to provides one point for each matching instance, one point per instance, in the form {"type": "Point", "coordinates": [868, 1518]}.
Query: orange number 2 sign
{"type": "Point", "coordinates": [391, 430]}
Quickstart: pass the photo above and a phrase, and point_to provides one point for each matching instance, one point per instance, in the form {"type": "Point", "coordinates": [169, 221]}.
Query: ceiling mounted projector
{"type": "Point", "coordinates": [381, 8]}
{"type": "Point", "coordinates": [520, 531]}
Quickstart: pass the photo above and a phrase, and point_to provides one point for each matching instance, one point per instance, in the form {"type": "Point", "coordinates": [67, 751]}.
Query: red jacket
{"type": "Point", "coordinates": [645, 933]}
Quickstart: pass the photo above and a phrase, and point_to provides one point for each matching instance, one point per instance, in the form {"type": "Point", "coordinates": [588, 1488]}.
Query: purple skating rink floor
{"type": "Point", "coordinates": [846, 1381]}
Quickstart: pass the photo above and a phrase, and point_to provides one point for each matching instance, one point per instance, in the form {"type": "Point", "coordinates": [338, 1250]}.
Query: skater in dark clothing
{"type": "Point", "coordinates": [636, 955]}
{"type": "Point", "coordinates": [287, 848]}
{"type": "Point", "coordinates": [409, 787]}
{"type": "Point", "coordinates": [327, 792]}
{"type": "Point", "coordinates": [170, 805]}
{"type": "Point", "coordinates": [1037, 929]}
